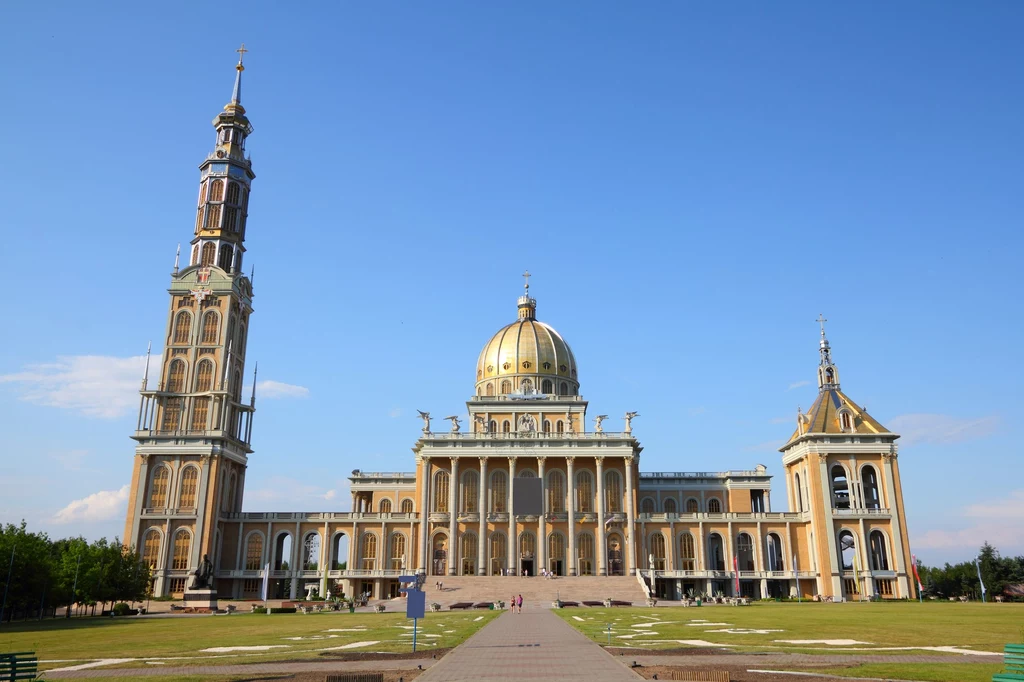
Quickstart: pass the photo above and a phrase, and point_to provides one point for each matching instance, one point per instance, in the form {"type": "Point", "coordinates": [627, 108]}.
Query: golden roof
{"type": "Point", "coordinates": [825, 416]}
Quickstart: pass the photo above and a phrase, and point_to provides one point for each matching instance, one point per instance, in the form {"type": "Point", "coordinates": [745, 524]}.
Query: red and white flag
{"type": "Point", "coordinates": [913, 563]}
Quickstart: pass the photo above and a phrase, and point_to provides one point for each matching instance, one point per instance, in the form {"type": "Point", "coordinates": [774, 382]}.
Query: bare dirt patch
{"type": "Point", "coordinates": [736, 673]}
{"type": "Point", "coordinates": [383, 656]}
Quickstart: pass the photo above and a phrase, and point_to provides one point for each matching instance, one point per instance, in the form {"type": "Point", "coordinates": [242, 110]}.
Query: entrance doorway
{"type": "Point", "coordinates": [615, 556]}
{"type": "Point", "coordinates": [556, 567]}
{"type": "Point", "coordinates": [526, 566]}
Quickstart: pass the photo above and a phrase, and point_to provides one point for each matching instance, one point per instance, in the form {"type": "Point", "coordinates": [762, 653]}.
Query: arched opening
{"type": "Point", "coordinates": [872, 500]}
{"type": "Point", "coordinates": [441, 491]}
{"type": "Point", "coordinates": [840, 487]}
{"type": "Point", "coordinates": [584, 492]}
{"type": "Point", "coordinates": [151, 548]}
{"type": "Point", "coordinates": [563, 389]}
{"type": "Point", "coordinates": [556, 553]}
{"type": "Point", "coordinates": [182, 550]}
{"type": "Point", "coordinates": [311, 552]}
{"type": "Point", "coordinates": [339, 552]}
{"type": "Point", "coordinates": [283, 552]}
{"type": "Point", "coordinates": [647, 506]}
{"type": "Point", "coordinates": [773, 553]}
{"type": "Point", "coordinates": [744, 552]}
{"type": "Point", "coordinates": [204, 376]}
{"type": "Point", "coordinates": [498, 549]}
{"type": "Point", "coordinates": [687, 553]}
{"type": "Point", "coordinates": [669, 505]}
{"type": "Point", "coordinates": [546, 387]}
{"type": "Point", "coordinates": [210, 325]}
{"type": "Point", "coordinates": [616, 565]}
{"type": "Point", "coordinates": [439, 563]}
{"type": "Point", "coordinates": [506, 387]}
{"type": "Point", "coordinates": [397, 560]}
{"type": "Point", "coordinates": [467, 552]}
{"type": "Point", "coordinates": [499, 492]}
{"type": "Point", "coordinates": [799, 492]}
{"type": "Point", "coordinates": [716, 553]}
{"type": "Point", "coordinates": [879, 552]}
{"type": "Point", "coordinates": [368, 552]}
{"type": "Point", "coordinates": [209, 248]}
{"type": "Point", "coordinates": [692, 506]}
{"type": "Point", "coordinates": [176, 377]}
{"type": "Point", "coordinates": [254, 552]}
{"type": "Point", "coordinates": [490, 390]}
{"type": "Point", "coordinates": [506, 426]}
{"type": "Point", "coordinates": [470, 494]}
{"type": "Point", "coordinates": [189, 483]}
{"type": "Point", "coordinates": [158, 488]}
{"type": "Point", "coordinates": [527, 553]}
{"type": "Point", "coordinates": [547, 426]}
{"type": "Point", "coordinates": [845, 422]}
{"type": "Point", "coordinates": [612, 491]}
{"type": "Point", "coordinates": [585, 554]}
{"type": "Point", "coordinates": [226, 255]}
{"type": "Point", "coordinates": [714, 506]}
{"type": "Point", "coordinates": [492, 427]}
{"type": "Point", "coordinates": [657, 550]}
{"type": "Point", "coordinates": [407, 506]}
{"type": "Point", "coordinates": [384, 506]}
{"type": "Point", "coordinates": [559, 426]}
{"type": "Point", "coordinates": [847, 549]}
{"type": "Point", "coordinates": [556, 492]}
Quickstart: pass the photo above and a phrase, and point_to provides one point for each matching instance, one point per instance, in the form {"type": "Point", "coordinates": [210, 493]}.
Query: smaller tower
{"type": "Point", "coordinates": [828, 374]}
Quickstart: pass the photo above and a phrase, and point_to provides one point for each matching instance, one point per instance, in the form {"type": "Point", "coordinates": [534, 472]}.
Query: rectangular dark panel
{"type": "Point", "coordinates": [526, 496]}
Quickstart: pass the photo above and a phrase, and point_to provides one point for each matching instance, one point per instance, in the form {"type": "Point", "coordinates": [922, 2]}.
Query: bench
{"type": "Point", "coordinates": [461, 605]}
{"type": "Point", "coordinates": [593, 603]}
{"type": "Point", "coordinates": [356, 677]}
{"type": "Point", "coordinates": [483, 605]}
{"type": "Point", "coordinates": [1013, 662]}
{"type": "Point", "coordinates": [570, 603]}
{"type": "Point", "coordinates": [22, 665]}
{"type": "Point", "coordinates": [616, 602]}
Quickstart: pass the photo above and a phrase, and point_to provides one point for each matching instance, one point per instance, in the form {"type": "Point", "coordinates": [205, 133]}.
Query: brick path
{"type": "Point", "coordinates": [534, 645]}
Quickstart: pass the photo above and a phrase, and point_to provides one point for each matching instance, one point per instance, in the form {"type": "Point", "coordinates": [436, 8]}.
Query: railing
{"type": "Point", "coordinates": [723, 516]}
{"type": "Point", "coordinates": [744, 575]}
{"type": "Point", "coordinates": [439, 517]}
{"type": "Point", "coordinates": [529, 435]}
{"type": "Point", "coordinates": [357, 474]}
{"type": "Point", "coordinates": [498, 517]}
{"type": "Point", "coordinates": [469, 517]}
{"type": "Point", "coordinates": [319, 516]}
{"type": "Point", "coordinates": [857, 511]}
{"type": "Point", "coordinates": [170, 511]}
{"type": "Point", "coordinates": [368, 573]}
{"type": "Point", "coordinates": [704, 474]}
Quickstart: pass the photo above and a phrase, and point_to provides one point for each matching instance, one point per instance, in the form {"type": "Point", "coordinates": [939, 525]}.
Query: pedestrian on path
{"type": "Point", "coordinates": [519, 603]}
{"type": "Point", "coordinates": [512, 603]}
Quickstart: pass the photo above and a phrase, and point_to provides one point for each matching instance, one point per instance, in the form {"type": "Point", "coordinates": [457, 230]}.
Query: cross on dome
{"type": "Point", "coordinates": [241, 53]}
{"type": "Point", "coordinates": [526, 284]}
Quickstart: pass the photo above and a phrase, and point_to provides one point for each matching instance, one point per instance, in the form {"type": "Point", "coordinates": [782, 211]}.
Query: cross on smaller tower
{"type": "Point", "coordinates": [526, 276]}
{"type": "Point", "coordinates": [241, 52]}
{"type": "Point", "coordinates": [821, 320]}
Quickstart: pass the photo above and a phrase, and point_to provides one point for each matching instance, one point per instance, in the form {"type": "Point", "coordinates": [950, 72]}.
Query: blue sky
{"type": "Point", "coordinates": [690, 184]}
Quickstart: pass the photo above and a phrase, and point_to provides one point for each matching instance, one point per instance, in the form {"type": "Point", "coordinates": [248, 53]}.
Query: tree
{"type": "Point", "coordinates": [26, 557]}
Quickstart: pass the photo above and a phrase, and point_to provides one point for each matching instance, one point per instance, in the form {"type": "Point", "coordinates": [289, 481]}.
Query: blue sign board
{"type": "Point", "coordinates": [415, 604]}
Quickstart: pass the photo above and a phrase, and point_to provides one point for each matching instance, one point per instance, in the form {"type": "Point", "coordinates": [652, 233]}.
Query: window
{"type": "Point", "coordinates": [407, 506]}
{"type": "Point", "coordinates": [397, 552]}
{"type": "Point", "coordinates": [189, 482]}
{"type": "Point", "coordinates": [556, 553]}
{"type": "Point", "coordinates": [158, 489]}
{"type": "Point", "coordinates": [884, 587]}
{"type": "Point", "coordinates": [584, 492]}
{"type": "Point", "coordinates": [745, 552]}
{"type": "Point", "coordinates": [563, 389]}
{"type": "Point", "coordinates": [647, 506]}
{"type": "Point", "coordinates": [212, 223]}
{"type": "Point", "coordinates": [470, 491]}
{"type": "Point", "coordinates": [687, 553]}
{"type": "Point", "coordinates": [283, 552]}
{"type": "Point", "coordinates": [369, 553]}
{"type": "Point", "coordinates": [799, 492]}
{"type": "Point", "coordinates": [441, 490]}
{"type": "Point", "coordinates": [506, 427]}
{"type": "Point", "coordinates": [226, 254]}
{"type": "Point", "coordinates": [870, 478]}
{"type": "Point", "coordinates": [195, 250]}
{"type": "Point", "coordinates": [613, 491]}
{"type": "Point", "coordinates": [714, 506]}
{"type": "Point", "coordinates": [202, 194]}
{"type": "Point", "coordinates": [217, 190]}
{"type": "Point", "coordinates": [585, 554]}
{"type": "Point", "coordinates": [172, 414]}
{"type": "Point", "coordinates": [490, 389]}
{"type": "Point", "coordinates": [527, 545]}
{"type": "Point", "coordinates": [210, 321]}
{"type": "Point", "coordinates": [233, 193]}
{"type": "Point", "coordinates": [492, 427]}
{"type": "Point", "coordinates": [498, 547]}
{"type": "Point", "coordinates": [556, 491]}
{"type": "Point", "coordinates": [384, 507]}
{"type": "Point", "coordinates": [879, 555]}
{"type": "Point", "coordinates": [773, 553]}
{"type": "Point", "coordinates": [547, 426]}
{"type": "Point", "coordinates": [176, 377]}
{"type": "Point", "coordinates": [847, 549]}
{"type": "Point", "coordinates": [182, 549]}
{"type": "Point", "coordinates": [182, 327]}
{"type": "Point", "coordinates": [251, 586]}
{"type": "Point", "coordinates": [669, 505]}
{"type": "Point", "coordinates": [151, 549]}
{"type": "Point", "coordinates": [209, 250]}
{"type": "Point", "coordinates": [559, 426]}
{"type": "Point", "coordinates": [228, 502]}
{"type": "Point", "coordinates": [204, 376]}
{"type": "Point", "coordinates": [692, 506]}
{"type": "Point", "coordinates": [658, 550]}
{"type": "Point", "coordinates": [506, 387]}
{"type": "Point", "coordinates": [200, 414]}
{"type": "Point", "coordinates": [254, 552]}
{"type": "Point", "coordinates": [716, 553]}
{"type": "Point", "coordinates": [546, 387]}
{"type": "Point", "coordinates": [840, 488]}
{"type": "Point", "coordinates": [757, 501]}
{"type": "Point", "coordinates": [499, 492]}
{"type": "Point", "coordinates": [176, 585]}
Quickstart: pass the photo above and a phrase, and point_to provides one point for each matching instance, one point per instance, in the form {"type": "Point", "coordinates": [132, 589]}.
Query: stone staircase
{"type": "Point", "coordinates": [537, 592]}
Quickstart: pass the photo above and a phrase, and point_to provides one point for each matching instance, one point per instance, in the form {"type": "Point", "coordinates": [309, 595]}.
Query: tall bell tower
{"type": "Point", "coordinates": [194, 428]}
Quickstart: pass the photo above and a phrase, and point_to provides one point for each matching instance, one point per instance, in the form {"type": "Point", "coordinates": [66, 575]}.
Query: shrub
{"type": "Point", "coordinates": [122, 609]}
{"type": "Point", "coordinates": [283, 609]}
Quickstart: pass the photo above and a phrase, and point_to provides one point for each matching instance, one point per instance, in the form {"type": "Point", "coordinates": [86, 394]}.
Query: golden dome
{"type": "Point", "coordinates": [526, 357]}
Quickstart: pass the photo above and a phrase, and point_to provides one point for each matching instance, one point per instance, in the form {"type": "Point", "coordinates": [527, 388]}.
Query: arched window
{"type": "Point", "coordinates": [773, 553]}
{"type": "Point", "coordinates": [506, 387]}
{"type": "Point", "coordinates": [158, 489]}
{"type": "Point", "coordinates": [209, 249]}
{"type": "Point", "coordinates": [204, 376]}
{"type": "Point", "coordinates": [546, 387]}
{"type": "Point", "coordinates": [527, 473]}
{"type": "Point", "coordinates": [254, 552]}
{"type": "Point", "coordinates": [745, 552]}
{"type": "Point", "coordinates": [210, 321]}
{"type": "Point", "coordinates": [559, 427]}
{"type": "Point", "coordinates": [217, 190]}
{"type": "Point", "coordinates": [397, 560]}
{"type": "Point", "coordinates": [563, 389]}
{"type": "Point", "coordinates": [283, 552]}
{"type": "Point", "coordinates": [339, 550]}
{"type": "Point", "coordinates": [585, 554]}
{"type": "Point", "coordinates": [799, 492]}
{"type": "Point", "coordinates": [226, 254]}
{"type": "Point", "coordinates": [490, 389]}
{"type": "Point", "coordinates": [527, 545]}
{"type": "Point", "coordinates": [240, 344]}
{"type": "Point", "coordinates": [692, 506]}
{"type": "Point", "coordinates": [182, 550]}
{"type": "Point", "coordinates": [311, 552]}
{"type": "Point", "coordinates": [556, 491]}
{"type": "Point", "coordinates": [647, 506]}
{"type": "Point", "coordinates": [384, 507]}
{"type": "Point", "coordinates": [151, 549]}
{"type": "Point", "coordinates": [470, 491]}
{"type": "Point", "coordinates": [442, 481]}
{"type": "Point", "coordinates": [872, 499]}
{"type": "Point", "coordinates": [879, 554]}
{"type": "Point", "coordinates": [231, 331]}
{"type": "Point", "coordinates": [547, 426]}
{"type": "Point", "coordinates": [556, 553]}
{"type": "Point", "coordinates": [172, 415]}
{"type": "Point", "coordinates": [499, 492]}
{"type": "Point", "coordinates": [687, 553]}
{"type": "Point", "coordinates": [493, 427]}
{"type": "Point", "coordinates": [176, 377]}
{"type": "Point", "coordinates": [584, 492]}
{"type": "Point", "coordinates": [195, 249]}
{"type": "Point", "coordinates": [847, 549]}
{"type": "Point", "coordinates": [440, 560]}
{"type": "Point", "coordinates": [499, 545]}
{"type": "Point", "coordinates": [840, 488]}
{"type": "Point", "coordinates": [233, 193]}
{"type": "Point", "coordinates": [714, 506]}
{"type": "Point", "coordinates": [506, 427]}
{"type": "Point", "coordinates": [846, 421]}
{"type": "Point", "coordinates": [612, 491]}
{"type": "Point", "coordinates": [467, 549]}
{"type": "Point", "coordinates": [669, 505]}
{"type": "Point", "coordinates": [182, 327]}
{"type": "Point", "coordinates": [657, 545]}
{"type": "Point", "coordinates": [407, 506]}
{"type": "Point", "coordinates": [369, 553]}
{"type": "Point", "coordinates": [212, 223]}
{"type": "Point", "coordinates": [202, 194]}
{"type": "Point", "coordinates": [716, 553]}
{"type": "Point", "coordinates": [189, 483]}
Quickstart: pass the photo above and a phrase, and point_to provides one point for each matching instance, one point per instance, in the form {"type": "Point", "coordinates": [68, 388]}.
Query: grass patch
{"type": "Point", "coordinates": [929, 672]}
{"type": "Point", "coordinates": [981, 627]}
{"type": "Point", "coordinates": [182, 638]}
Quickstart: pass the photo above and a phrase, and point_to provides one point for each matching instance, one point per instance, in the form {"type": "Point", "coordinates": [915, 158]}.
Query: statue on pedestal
{"type": "Point", "coordinates": [203, 575]}
{"type": "Point", "coordinates": [455, 423]}
{"type": "Point", "coordinates": [425, 416]}
{"type": "Point", "coordinates": [597, 423]}
{"type": "Point", "coordinates": [630, 416]}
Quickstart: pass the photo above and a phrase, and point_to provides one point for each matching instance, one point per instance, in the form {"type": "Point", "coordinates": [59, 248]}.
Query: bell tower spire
{"type": "Point", "coordinates": [828, 373]}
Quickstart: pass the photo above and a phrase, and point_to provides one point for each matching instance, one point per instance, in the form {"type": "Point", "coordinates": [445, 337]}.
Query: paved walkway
{"type": "Point", "coordinates": [534, 645]}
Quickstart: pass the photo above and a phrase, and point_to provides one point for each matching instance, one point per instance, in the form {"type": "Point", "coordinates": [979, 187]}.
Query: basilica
{"type": "Point", "coordinates": [531, 484]}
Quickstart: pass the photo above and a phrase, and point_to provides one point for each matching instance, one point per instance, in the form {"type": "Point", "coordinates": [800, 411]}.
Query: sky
{"type": "Point", "coordinates": [690, 185]}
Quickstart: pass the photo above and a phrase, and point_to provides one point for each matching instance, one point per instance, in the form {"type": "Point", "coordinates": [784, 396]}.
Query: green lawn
{"type": "Point", "coordinates": [928, 672]}
{"type": "Point", "coordinates": [981, 627]}
{"type": "Point", "coordinates": [183, 638]}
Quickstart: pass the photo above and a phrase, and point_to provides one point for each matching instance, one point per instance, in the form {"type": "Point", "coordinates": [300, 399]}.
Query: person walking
{"type": "Point", "coordinates": [512, 603]}
{"type": "Point", "coordinates": [519, 603]}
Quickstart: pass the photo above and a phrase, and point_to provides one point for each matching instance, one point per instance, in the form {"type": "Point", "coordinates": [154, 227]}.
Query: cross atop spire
{"type": "Point", "coordinates": [828, 374]}
{"type": "Point", "coordinates": [527, 305]}
{"type": "Point", "coordinates": [821, 320]}
{"type": "Point", "coordinates": [236, 96]}
{"type": "Point", "coordinates": [526, 284]}
{"type": "Point", "coordinates": [241, 53]}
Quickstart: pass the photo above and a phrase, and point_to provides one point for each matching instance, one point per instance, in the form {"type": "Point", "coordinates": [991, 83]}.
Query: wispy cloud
{"type": "Point", "coordinates": [941, 428]}
{"type": "Point", "coordinates": [395, 412]}
{"type": "Point", "coordinates": [101, 506]}
{"type": "Point", "coordinates": [798, 384]}
{"type": "Point", "coordinates": [93, 385]}
{"type": "Point", "coordinates": [999, 522]}
{"type": "Point", "coordinates": [277, 389]}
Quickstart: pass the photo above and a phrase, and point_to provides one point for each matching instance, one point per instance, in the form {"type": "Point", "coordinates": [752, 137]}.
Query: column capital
{"type": "Point", "coordinates": [570, 459]}
{"type": "Point", "coordinates": [541, 460]}
{"type": "Point", "coordinates": [512, 460]}
{"type": "Point", "coordinates": [454, 461]}
{"type": "Point", "coordinates": [822, 457]}
{"type": "Point", "coordinates": [889, 456]}
{"type": "Point", "coordinates": [483, 462]}
{"type": "Point", "coordinates": [145, 457]}
{"type": "Point", "coordinates": [600, 462]}
{"type": "Point", "coordinates": [629, 460]}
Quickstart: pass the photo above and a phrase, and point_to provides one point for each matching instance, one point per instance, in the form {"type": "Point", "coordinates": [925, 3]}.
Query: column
{"type": "Point", "coordinates": [424, 557]}
{"type": "Point", "coordinates": [896, 511]}
{"type": "Point", "coordinates": [481, 536]}
{"type": "Point", "coordinates": [511, 558]}
{"type": "Point", "coordinates": [570, 508]}
{"type": "Point", "coordinates": [542, 534]}
{"type": "Point", "coordinates": [141, 493]}
{"type": "Point", "coordinates": [602, 551]}
{"type": "Point", "coordinates": [630, 516]}
{"type": "Point", "coordinates": [453, 514]}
